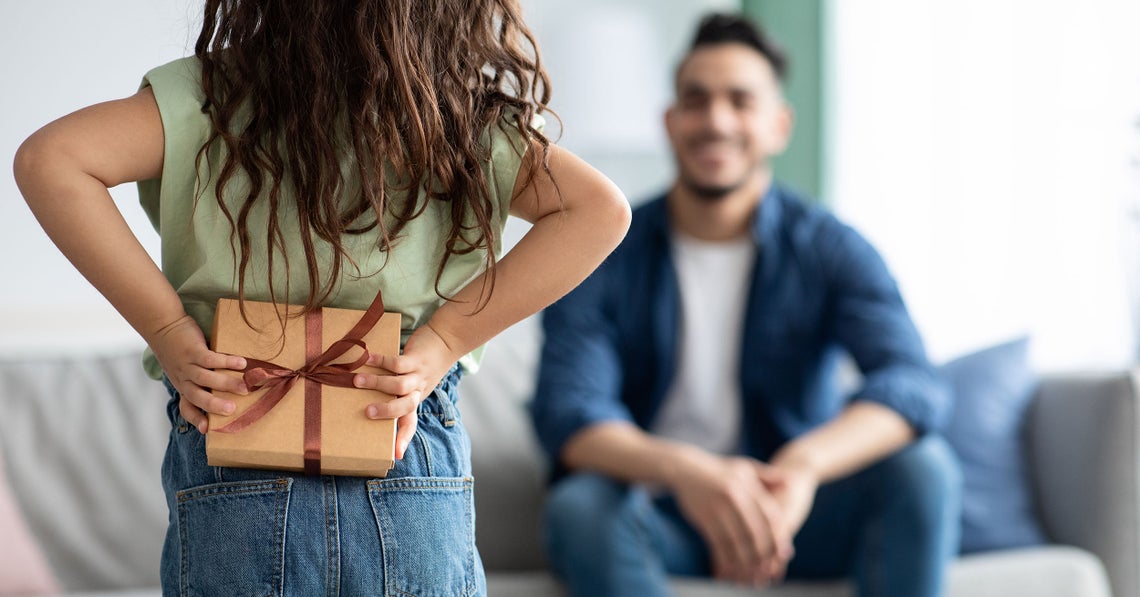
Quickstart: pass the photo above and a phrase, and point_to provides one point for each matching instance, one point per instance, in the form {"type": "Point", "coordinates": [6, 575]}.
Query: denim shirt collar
{"type": "Point", "coordinates": [766, 222]}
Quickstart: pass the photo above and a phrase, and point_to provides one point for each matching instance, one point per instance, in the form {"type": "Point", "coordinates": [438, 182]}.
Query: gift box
{"type": "Point", "coordinates": [303, 415]}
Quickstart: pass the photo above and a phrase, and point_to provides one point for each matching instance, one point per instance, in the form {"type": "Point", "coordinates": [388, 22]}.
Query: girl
{"type": "Point", "coordinates": [314, 152]}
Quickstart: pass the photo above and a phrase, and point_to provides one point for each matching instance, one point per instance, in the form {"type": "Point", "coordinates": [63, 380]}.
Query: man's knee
{"type": "Point", "coordinates": [588, 511]}
{"type": "Point", "coordinates": [925, 481]}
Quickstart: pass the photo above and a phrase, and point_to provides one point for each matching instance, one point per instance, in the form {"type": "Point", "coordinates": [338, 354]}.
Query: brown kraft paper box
{"type": "Point", "coordinates": [350, 443]}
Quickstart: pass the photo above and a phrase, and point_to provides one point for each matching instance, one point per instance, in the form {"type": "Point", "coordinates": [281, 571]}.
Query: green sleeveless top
{"type": "Point", "coordinates": [200, 263]}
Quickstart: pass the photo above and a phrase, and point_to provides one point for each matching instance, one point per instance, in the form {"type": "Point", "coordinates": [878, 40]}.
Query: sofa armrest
{"type": "Point", "coordinates": [1085, 457]}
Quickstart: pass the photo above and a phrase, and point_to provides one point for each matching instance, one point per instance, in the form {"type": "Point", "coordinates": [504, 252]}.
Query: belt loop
{"type": "Point", "coordinates": [446, 408]}
{"type": "Point", "coordinates": [443, 395]}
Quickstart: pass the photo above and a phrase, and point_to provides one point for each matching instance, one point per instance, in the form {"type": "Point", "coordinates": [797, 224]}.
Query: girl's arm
{"type": "Point", "coordinates": [568, 239]}
{"type": "Point", "coordinates": [64, 171]}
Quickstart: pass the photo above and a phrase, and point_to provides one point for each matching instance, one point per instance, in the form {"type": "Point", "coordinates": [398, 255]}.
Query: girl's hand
{"type": "Point", "coordinates": [192, 368]}
{"type": "Point", "coordinates": [426, 359]}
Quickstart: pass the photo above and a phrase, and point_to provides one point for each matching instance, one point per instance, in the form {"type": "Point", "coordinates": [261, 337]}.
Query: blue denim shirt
{"type": "Point", "coordinates": [817, 288]}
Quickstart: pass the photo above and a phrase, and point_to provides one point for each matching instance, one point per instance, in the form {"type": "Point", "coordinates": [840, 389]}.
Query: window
{"type": "Point", "coordinates": [988, 149]}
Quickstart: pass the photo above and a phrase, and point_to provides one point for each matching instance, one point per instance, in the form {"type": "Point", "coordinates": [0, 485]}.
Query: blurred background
{"type": "Point", "coordinates": [989, 148]}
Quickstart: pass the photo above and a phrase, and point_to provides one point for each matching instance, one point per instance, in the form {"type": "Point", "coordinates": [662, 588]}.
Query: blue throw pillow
{"type": "Point", "coordinates": [992, 389]}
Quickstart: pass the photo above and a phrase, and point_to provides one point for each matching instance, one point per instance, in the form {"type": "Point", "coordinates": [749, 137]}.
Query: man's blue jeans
{"type": "Point", "coordinates": [891, 528]}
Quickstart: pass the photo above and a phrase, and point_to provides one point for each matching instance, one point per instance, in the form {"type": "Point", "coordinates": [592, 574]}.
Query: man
{"type": "Point", "coordinates": [687, 394]}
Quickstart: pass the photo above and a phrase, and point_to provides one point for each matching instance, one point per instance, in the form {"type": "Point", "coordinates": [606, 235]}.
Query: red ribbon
{"type": "Point", "coordinates": [317, 372]}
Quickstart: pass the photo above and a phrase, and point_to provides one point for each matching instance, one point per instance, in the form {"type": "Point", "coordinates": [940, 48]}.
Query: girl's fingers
{"type": "Point", "coordinates": [193, 415]}
{"type": "Point", "coordinates": [396, 408]}
{"type": "Point", "coordinates": [397, 364]}
{"type": "Point", "coordinates": [220, 381]}
{"type": "Point", "coordinates": [218, 405]}
{"type": "Point", "coordinates": [394, 385]}
{"type": "Point", "coordinates": [405, 429]}
{"type": "Point", "coordinates": [217, 360]}
{"type": "Point", "coordinates": [200, 399]}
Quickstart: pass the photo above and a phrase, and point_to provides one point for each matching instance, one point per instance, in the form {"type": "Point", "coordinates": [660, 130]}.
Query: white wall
{"type": "Point", "coordinates": [985, 146]}
{"type": "Point", "coordinates": [60, 55]}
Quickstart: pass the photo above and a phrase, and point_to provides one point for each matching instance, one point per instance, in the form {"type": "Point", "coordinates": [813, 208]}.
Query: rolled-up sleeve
{"type": "Point", "coordinates": [580, 374]}
{"type": "Point", "coordinates": [871, 321]}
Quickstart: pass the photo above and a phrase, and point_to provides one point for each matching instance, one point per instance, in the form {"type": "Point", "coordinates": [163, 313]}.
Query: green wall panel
{"type": "Point", "coordinates": [797, 25]}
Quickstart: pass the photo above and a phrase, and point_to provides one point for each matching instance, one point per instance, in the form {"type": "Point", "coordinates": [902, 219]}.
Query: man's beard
{"type": "Point", "coordinates": [704, 192]}
{"type": "Point", "coordinates": [709, 193]}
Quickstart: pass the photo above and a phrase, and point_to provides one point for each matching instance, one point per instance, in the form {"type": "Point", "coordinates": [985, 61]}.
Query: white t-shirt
{"type": "Point", "coordinates": [702, 407]}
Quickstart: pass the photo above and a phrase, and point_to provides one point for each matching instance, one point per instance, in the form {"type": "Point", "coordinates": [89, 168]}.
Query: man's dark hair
{"type": "Point", "coordinates": [721, 28]}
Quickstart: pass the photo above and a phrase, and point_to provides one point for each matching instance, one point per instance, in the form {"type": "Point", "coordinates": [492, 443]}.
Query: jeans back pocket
{"type": "Point", "coordinates": [427, 531]}
{"type": "Point", "coordinates": [232, 538]}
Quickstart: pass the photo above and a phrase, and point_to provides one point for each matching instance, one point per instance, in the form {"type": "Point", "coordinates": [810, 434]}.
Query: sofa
{"type": "Point", "coordinates": [82, 437]}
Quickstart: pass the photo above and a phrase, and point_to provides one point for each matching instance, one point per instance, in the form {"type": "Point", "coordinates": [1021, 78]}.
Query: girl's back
{"type": "Point", "coordinates": [198, 259]}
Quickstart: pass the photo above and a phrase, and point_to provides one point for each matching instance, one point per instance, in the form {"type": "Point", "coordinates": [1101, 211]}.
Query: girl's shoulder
{"type": "Point", "coordinates": [504, 135]}
{"type": "Point", "coordinates": [183, 73]}
{"type": "Point", "coordinates": [177, 89]}
{"type": "Point", "coordinates": [507, 146]}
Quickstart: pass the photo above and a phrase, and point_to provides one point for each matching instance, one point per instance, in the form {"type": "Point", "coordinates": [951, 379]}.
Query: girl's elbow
{"type": "Point", "coordinates": [616, 213]}
{"type": "Point", "coordinates": [622, 218]}
{"type": "Point", "coordinates": [44, 161]}
{"type": "Point", "coordinates": [40, 158]}
{"type": "Point", "coordinates": [29, 160]}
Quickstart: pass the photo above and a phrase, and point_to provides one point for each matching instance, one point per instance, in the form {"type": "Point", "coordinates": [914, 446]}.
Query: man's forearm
{"type": "Point", "coordinates": [624, 451]}
{"type": "Point", "coordinates": [863, 434]}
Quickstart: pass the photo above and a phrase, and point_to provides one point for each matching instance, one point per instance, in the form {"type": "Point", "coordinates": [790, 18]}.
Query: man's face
{"type": "Point", "coordinates": [729, 118]}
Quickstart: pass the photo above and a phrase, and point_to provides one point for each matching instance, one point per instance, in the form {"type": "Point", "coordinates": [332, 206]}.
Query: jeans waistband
{"type": "Point", "coordinates": [441, 401]}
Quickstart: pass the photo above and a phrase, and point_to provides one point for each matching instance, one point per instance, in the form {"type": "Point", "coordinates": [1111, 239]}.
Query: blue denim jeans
{"type": "Point", "coordinates": [253, 532]}
{"type": "Point", "coordinates": [891, 528]}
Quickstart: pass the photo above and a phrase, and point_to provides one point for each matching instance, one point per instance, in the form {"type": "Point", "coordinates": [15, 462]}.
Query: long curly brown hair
{"type": "Point", "coordinates": [400, 89]}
